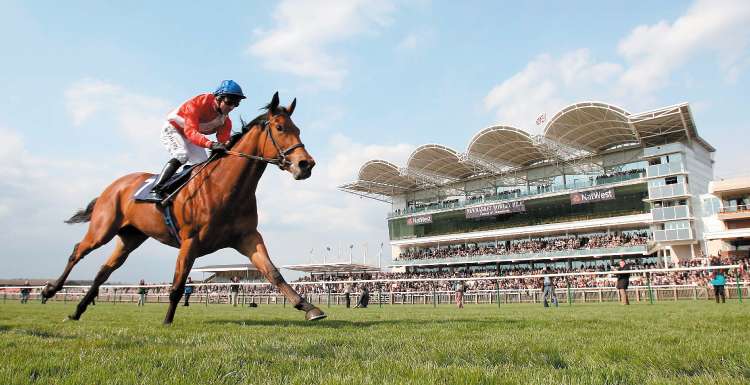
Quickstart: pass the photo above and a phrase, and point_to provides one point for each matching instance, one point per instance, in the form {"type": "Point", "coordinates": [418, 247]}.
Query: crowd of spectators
{"type": "Point", "coordinates": [529, 246]}
{"type": "Point", "coordinates": [695, 277]}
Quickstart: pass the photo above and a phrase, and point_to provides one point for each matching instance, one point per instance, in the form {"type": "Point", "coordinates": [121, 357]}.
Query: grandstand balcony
{"type": "Point", "coordinates": [665, 169]}
{"type": "Point", "coordinates": [621, 221]}
{"type": "Point", "coordinates": [731, 213]}
{"type": "Point", "coordinates": [553, 190]}
{"type": "Point", "coordinates": [670, 191]}
{"type": "Point", "coordinates": [670, 235]}
{"type": "Point", "coordinates": [517, 257]}
{"type": "Point", "coordinates": [664, 149]}
{"type": "Point", "coordinates": [671, 213]}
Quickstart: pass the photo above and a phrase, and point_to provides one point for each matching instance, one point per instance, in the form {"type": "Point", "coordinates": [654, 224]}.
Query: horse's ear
{"type": "Point", "coordinates": [274, 105]}
{"type": "Point", "coordinates": [291, 106]}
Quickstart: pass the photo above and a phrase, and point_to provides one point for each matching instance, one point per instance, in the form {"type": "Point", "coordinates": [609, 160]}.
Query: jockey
{"type": "Point", "coordinates": [184, 133]}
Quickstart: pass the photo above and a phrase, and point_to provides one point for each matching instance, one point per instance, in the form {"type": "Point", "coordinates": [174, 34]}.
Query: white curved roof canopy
{"type": "Point", "coordinates": [434, 159]}
{"type": "Point", "coordinates": [504, 145]}
{"type": "Point", "coordinates": [591, 126]}
{"type": "Point", "coordinates": [385, 173]}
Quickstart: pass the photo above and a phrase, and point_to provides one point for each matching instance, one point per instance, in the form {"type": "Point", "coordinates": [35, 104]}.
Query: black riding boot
{"type": "Point", "coordinates": [169, 169]}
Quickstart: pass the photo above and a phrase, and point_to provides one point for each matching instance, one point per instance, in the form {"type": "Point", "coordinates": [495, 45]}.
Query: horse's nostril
{"type": "Point", "coordinates": [303, 165]}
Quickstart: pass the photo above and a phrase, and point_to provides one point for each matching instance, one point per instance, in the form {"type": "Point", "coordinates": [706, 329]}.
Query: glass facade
{"type": "Point", "coordinates": [628, 200]}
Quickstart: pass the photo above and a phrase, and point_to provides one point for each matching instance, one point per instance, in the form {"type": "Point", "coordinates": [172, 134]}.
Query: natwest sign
{"type": "Point", "coordinates": [495, 209]}
{"type": "Point", "coordinates": [592, 196]}
{"type": "Point", "coordinates": [419, 220]}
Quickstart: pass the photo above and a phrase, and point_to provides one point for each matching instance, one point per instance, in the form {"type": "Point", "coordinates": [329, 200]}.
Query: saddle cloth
{"type": "Point", "coordinates": [143, 192]}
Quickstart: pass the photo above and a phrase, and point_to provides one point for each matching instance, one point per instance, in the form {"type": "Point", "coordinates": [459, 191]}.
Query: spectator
{"type": "Point", "coordinates": [142, 291]}
{"type": "Point", "coordinates": [364, 298]}
{"type": "Point", "coordinates": [623, 280]}
{"type": "Point", "coordinates": [718, 282]}
{"type": "Point", "coordinates": [347, 294]}
{"type": "Point", "coordinates": [25, 292]}
{"type": "Point", "coordinates": [548, 289]}
{"type": "Point", "coordinates": [234, 289]}
{"type": "Point", "coordinates": [188, 291]}
{"type": "Point", "coordinates": [460, 288]}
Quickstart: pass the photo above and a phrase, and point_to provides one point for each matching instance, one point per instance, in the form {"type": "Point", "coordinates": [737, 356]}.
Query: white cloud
{"type": "Point", "coordinates": [137, 116]}
{"type": "Point", "coordinates": [303, 39]}
{"type": "Point", "coordinates": [416, 39]}
{"type": "Point", "coordinates": [547, 84]}
{"type": "Point", "coordinates": [655, 51]}
{"type": "Point", "coordinates": [650, 53]}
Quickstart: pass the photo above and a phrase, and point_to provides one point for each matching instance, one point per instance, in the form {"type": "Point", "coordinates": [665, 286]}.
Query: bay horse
{"type": "Point", "coordinates": [216, 209]}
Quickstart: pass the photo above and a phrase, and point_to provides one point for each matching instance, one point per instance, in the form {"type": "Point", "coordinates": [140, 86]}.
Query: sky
{"type": "Point", "coordinates": [87, 85]}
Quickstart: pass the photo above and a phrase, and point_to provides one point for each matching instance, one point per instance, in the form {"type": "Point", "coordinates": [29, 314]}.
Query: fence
{"type": "Point", "coordinates": [502, 296]}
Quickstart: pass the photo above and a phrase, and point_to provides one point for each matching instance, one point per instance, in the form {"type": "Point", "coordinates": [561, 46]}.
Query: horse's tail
{"type": "Point", "coordinates": [83, 215]}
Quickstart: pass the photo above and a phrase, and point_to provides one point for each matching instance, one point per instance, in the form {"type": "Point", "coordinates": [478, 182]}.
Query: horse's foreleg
{"type": "Point", "coordinates": [254, 248]}
{"type": "Point", "coordinates": [127, 242]}
{"type": "Point", "coordinates": [185, 261]}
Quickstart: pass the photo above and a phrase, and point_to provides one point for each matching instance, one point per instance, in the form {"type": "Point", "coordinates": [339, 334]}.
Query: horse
{"type": "Point", "coordinates": [216, 209]}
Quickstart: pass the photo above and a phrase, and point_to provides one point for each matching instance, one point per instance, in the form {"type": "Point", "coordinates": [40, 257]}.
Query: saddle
{"type": "Point", "coordinates": [143, 192]}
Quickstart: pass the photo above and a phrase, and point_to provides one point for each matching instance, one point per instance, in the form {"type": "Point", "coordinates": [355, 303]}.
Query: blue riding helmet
{"type": "Point", "coordinates": [229, 87]}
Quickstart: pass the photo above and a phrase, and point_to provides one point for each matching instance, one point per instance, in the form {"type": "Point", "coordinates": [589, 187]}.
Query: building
{"type": "Point", "coordinates": [599, 184]}
{"type": "Point", "coordinates": [726, 210]}
{"type": "Point", "coordinates": [224, 273]}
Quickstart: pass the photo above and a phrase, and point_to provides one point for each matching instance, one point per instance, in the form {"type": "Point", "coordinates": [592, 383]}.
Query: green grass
{"type": "Point", "coordinates": [689, 342]}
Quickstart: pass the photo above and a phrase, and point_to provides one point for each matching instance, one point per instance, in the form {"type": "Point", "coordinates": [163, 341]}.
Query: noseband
{"type": "Point", "coordinates": [280, 160]}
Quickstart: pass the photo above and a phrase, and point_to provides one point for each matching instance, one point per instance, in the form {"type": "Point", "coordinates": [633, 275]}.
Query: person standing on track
{"type": "Point", "coordinates": [188, 291]}
{"type": "Point", "coordinates": [548, 286]}
{"type": "Point", "coordinates": [623, 281]}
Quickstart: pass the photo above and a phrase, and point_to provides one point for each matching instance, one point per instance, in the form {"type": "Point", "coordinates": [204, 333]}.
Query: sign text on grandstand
{"type": "Point", "coordinates": [495, 209]}
{"type": "Point", "coordinates": [592, 196]}
{"type": "Point", "coordinates": [419, 220]}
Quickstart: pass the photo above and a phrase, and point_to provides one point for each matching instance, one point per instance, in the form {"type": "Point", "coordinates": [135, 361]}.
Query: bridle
{"type": "Point", "coordinates": [280, 160]}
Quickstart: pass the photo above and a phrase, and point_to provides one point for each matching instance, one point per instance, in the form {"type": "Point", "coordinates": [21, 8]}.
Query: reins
{"type": "Point", "coordinates": [280, 160]}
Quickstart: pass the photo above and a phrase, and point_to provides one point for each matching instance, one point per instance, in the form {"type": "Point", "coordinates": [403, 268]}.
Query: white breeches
{"type": "Point", "coordinates": [180, 148]}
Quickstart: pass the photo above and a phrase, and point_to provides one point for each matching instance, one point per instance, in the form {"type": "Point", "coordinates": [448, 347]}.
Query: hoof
{"type": "Point", "coordinates": [167, 323]}
{"type": "Point", "coordinates": [71, 318]}
{"type": "Point", "coordinates": [315, 314]}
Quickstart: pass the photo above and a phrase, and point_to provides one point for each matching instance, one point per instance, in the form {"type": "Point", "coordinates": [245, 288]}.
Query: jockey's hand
{"type": "Point", "coordinates": [217, 147]}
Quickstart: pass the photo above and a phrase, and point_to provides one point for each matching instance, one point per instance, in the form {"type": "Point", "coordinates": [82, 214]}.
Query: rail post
{"type": "Point", "coordinates": [380, 296]}
{"type": "Point", "coordinates": [434, 304]}
{"type": "Point", "coordinates": [284, 302]}
{"type": "Point", "coordinates": [739, 288]}
{"type": "Point", "coordinates": [650, 292]}
{"type": "Point", "coordinates": [497, 291]}
{"type": "Point", "coordinates": [570, 299]}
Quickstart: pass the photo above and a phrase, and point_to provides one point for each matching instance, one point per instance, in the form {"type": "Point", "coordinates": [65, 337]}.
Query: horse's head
{"type": "Point", "coordinates": [281, 140]}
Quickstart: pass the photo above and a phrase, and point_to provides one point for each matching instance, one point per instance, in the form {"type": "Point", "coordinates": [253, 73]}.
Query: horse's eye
{"type": "Point", "coordinates": [280, 127]}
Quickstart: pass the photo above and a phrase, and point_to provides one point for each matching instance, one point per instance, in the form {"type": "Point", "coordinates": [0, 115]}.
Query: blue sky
{"type": "Point", "coordinates": [88, 84]}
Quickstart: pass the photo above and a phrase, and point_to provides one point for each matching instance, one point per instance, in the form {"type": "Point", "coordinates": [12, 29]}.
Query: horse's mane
{"type": "Point", "coordinates": [258, 121]}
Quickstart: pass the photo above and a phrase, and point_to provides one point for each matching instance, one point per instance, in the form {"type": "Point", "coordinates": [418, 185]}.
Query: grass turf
{"type": "Point", "coordinates": [688, 342]}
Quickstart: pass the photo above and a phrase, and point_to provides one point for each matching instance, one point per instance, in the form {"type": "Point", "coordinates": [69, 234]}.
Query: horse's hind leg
{"type": "Point", "coordinates": [129, 239]}
{"type": "Point", "coordinates": [101, 230]}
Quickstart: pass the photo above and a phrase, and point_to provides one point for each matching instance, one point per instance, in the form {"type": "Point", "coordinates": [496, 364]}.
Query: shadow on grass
{"type": "Point", "coordinates": [43, 334]}
{"type": "Point", "coordinates": [336, 324]}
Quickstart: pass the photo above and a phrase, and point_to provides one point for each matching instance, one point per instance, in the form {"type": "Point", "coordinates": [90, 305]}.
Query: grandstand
{"type": "Point", "coordinates": [598, 185]}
